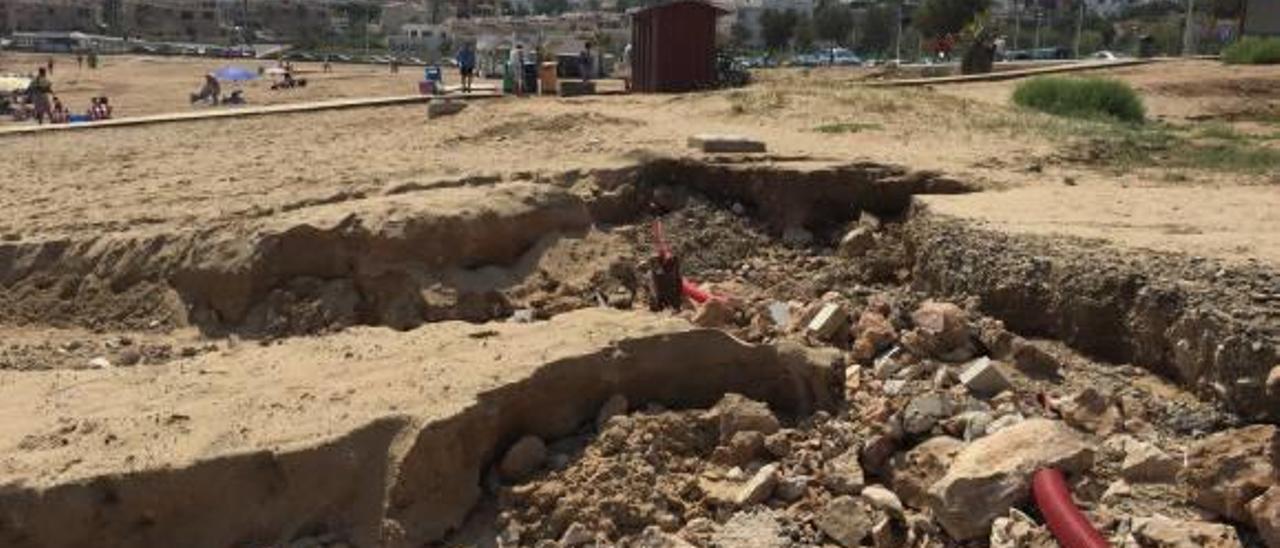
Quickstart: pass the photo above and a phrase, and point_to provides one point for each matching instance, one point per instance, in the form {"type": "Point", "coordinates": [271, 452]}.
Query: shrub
{"type": "Point", "coordinates": [1081, 98]}
{"type": "Point", "coordinates": [1253, 51]}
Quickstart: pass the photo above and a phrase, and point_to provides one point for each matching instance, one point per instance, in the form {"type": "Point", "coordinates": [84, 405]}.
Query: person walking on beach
{"type": "Point", "coordinates": [585, 62]}
{"type": "Point", "coordinates": [40, 91]}
{"type": "Point", "coordinates": [49, 65]}
{"type": "Point", "coordinates": [467, 66]}
{"type": "Point", "coordinates": [79, 61]}
{"type": "Point", "coordinates": [517, 69]}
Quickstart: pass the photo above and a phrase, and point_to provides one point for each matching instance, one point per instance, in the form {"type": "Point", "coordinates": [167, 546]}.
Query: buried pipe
{"type": "Point", "coordinates": [1067, 523]}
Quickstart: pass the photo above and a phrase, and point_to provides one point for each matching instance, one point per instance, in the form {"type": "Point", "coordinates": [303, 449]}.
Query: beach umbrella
{"type": "Point", "coordinates": [235, 74]}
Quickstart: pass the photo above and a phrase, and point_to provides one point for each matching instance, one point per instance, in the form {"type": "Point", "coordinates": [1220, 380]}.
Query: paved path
{"type": "Point", "coordinates": [1010, 74]}
{"type": "Point", "coordinates": [240, 112]}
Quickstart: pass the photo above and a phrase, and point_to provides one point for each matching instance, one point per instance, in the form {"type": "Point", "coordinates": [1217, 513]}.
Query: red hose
{"type": "Point", "coordinates": [693, 292]}
{"type": "Point", "coordinates": [1067, 523]}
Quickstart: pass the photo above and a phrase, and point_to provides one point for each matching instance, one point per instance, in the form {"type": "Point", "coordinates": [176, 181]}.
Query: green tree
{"type": "Point", "coordinates": [833, 22]}
{"type": "Point", "coordinates": [550, 7]}
{"type": "Point", "coordinates": [778, 27]}
{"type": "Point", "coordinates": [877, 28]}
{"type": "Point", "coordinates": [937, 18]}
{"type": "Point", "coordinates": [805, 34]}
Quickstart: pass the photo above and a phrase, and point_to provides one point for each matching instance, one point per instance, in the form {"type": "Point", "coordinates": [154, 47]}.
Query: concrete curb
{"type": "Point", "coordinates": [1011, 74]}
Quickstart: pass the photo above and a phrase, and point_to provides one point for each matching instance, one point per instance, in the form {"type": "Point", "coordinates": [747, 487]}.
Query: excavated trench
{"type": "Point", "coordinates": [542, 247]}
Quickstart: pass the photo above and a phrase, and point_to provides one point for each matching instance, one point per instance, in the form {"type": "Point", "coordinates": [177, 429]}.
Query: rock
{"type": "Point", "coordinates": [1092, 411]}
{"type": "Point", "coordinates": [1229, 469]}
{"type": "Point", "coordinates": [576, 535]}
{"type": "Point", "coordinates": [883, 500]}
{"type": "Point", "coordinates": [1163, 532]}
{"type": "Point", "coordinates": [779, 314]}
{"type": "Point", "coordinates": [924, 411]}
{"type": "Point", "coordinates": [857, 242]}
{"type": "Point", "coordinates": [916, 470]}
{"type": "Point", "coordinates": [993, 335]}
{"type": "Point", "coordinates": [942, 331]}
{"type": "Point", "coordinates": [846, 520]}
{"type": "Point", "coordinates": [843, 475]}
{"type": "Point", "coordinates": [893, 387]}
{"type": "Point", "coordinates": [743, 448]}
{"type": "Point", "coordinates": [438, 108]}
{"type": "Point", "coordinates": [877, 452]}
{"type": "Point", "coordinates": [797, 236]}
{"type": "Point", "coordinates": [993, 474]}
{"type": "Point", "coordinates": [128, 357]}
{"type": "Point", "coordinates": [1265, 512]}
{"type": "Point", "coordinates": [791, 488]}
{"type": "Point", "coordinates": [1146, 463]}
{"type": "Point", "coordinates": [759, 488]}
{"type": "Point", "coordinates": [1034, 361]}
{"type": "Point", "coordinates": [778, 443]}
{"type": "Point", "coordinates": [713, 313]}
{"type": "Point", "coordinates": [755, 528]}
{"type": "Point", "coordinates": [872, 335]}
{"type": "Point", "coordinates": [983, 377]}
{"type": "Point", "coordinates": [736, 413]}
{"type": "Point", "coordinates": [1116, 491]}
{"type": "Point", "coordinates": [654, 537]}
{"type": "Point", "coordinates": [616, 405]}
{"type": "Point", "coordinates": [725, 144]}
{"type": "Point", "coordinates": [523, 459]}
{"type": "Point", "coordinates": [975, 424]}
{"type": "Point", "coordinates": [1018, 530]}
{"type": "Point", "coordinates": [828, 321]}
{"type": "Point", "coordinates": [1273, 381]}
{"type": "Point", "coordinates": [890, 532]}
{"type": "Point", "coordinates": [100, 363]}
{"type": "Point", "coordinates": [1004, 422]}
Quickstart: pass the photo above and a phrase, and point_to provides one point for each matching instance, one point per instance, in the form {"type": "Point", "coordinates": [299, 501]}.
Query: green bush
{"type": "Point", "coordinates": [1081, 98]}
{"type": "Point", "coordinates": [1253, 51]}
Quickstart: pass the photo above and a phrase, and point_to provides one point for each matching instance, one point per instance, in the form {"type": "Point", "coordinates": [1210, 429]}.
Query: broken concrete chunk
{"type": "Point", "coordinates": [1018, 530]}
{"type": "Point", "coordinates": [846, 520]}
{"type": "Point", "coordinates": [872, 335]}
{"type": "Point", "coordinates": [983, 377]}
{"type": "Point", "coordinates": [857, 242]}
{"type": "Point", "coordinates": [1163, 532]}
{"type": "Point", "coordinates": [1229, 469]}
{"type": "Point", "coordinates": [1092, 411]}
{"type": "Point", "coordinates": [924, 411]}
{"type": "Point", "coordinates": [916, 470]}
{"type": "Point", "coordinates": [523, 459]}
{"type": "Point", "coordinates": [439, 108]}
{"type": "Point", "coordinates": [725, 144]}
{"type": "Point", "coordinates": [1265, 512]}
{"type": "Point", "coordinates": [736, 413]}
{"type": "Point", "coordinates": [829, 320]}
{"type": "Point", "coordinates": [743, 448]}
{"type": "Point", "coordinates": [993, 474]}
{"type": "Point", "coordinates": [942, 331]}
{"type": "Point", "coordinates": [993, 335]}
{"type": "Point", "coordinates": [883, 500]}
{"type": "Point", "coordinates": [843, 475]}
{"type": "Point", "coordinates": [759, 488]}
{"type": "Point", "coordinates": [792, 488]}
{"type": "Point", "coordinates": [1146, 463]}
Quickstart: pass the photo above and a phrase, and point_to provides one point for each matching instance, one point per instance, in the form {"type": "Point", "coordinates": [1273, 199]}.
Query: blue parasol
{"type": "Point", "coordinates": [235, 74]}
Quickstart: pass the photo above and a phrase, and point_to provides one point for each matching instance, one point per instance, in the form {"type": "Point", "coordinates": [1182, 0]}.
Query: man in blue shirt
{"type": "Point", "coordinates": [467, 66]}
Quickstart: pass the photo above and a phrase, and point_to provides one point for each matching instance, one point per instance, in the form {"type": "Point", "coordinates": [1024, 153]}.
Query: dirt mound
{"type": "Point", "coordinates": [1250, 88]}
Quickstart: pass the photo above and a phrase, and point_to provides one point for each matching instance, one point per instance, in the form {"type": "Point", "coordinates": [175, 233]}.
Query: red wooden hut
{"type": "Point", "coordinates": [673, 46]}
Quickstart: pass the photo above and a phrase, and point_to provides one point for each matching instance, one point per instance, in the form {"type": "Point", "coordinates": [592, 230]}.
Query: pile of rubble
{"type": "Point", "coordinates": [946, 419]}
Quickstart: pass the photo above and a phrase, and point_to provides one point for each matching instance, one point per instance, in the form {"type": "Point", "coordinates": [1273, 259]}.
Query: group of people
{"type": "Point", "coordinates": [516, 61]}
{"type": "Point", "coordinates": [38, 102]}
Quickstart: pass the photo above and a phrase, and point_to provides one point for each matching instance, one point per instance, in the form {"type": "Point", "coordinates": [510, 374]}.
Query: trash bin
{"type": "Point", "coordinates": [530, 77]}
{"type": "Point", "coordinates": [547, 77]}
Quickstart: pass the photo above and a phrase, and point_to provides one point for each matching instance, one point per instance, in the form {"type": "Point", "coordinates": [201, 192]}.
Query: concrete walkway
{"type": "Point", "coordinates": [246, 111]}
{"type": "Point", "coordinates": [1011, 74]}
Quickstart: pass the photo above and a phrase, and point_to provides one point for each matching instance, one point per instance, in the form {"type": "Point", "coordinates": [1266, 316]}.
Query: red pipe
{"type": "Point", "coordinates": [695, 293]}
{"type": "Point", "coordinates": [1067, 523]}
